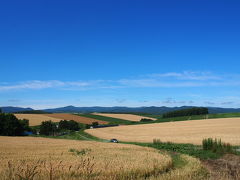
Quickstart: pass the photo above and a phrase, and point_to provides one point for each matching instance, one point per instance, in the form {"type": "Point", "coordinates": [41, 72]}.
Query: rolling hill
{"type": "Point", "coordinates": [98, 109]}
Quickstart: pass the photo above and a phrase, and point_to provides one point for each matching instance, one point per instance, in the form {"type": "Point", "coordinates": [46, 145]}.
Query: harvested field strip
{"type": "Point", "coordinates": [69, 159]}
{"type": "Point", "coordinates": [36, 119]}
{"type": "Point", "coordinates": [129, 117]}
{"type": "Point", "coordinates": [80, 119]}
{"type": "Point", "coordinates": [192, 132]}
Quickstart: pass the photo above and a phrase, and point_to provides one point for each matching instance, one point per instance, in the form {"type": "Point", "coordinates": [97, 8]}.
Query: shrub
{"type": "Point", "coordinates": [217, 146]}
{"type": "Point", "coordinates": [68, 125]}
{"type": "Point", "coordinates": [157, 141]}
{"type": "Point", "coordinates": [95, 124]}
{"type": "Point", "coordinates": [145, 120]}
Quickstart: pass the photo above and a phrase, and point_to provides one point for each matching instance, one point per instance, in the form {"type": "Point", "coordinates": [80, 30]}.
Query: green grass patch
{"type": "Point", "coordinates": [217, 146]}
{"type": "Point", "coordinates": [223, 115]}
{"type": "Point", "coordinates": [75, 135]}
{"type": "Point", "coordinates": [189, 149]}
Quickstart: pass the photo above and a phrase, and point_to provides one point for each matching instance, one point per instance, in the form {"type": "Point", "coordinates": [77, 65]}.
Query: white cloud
{"type": "Point", "coordinates": [166, 80]}
{"type": "Point", "coordinates": [43, 85]}
{"type": "Point", "coordinates": [189, 75]}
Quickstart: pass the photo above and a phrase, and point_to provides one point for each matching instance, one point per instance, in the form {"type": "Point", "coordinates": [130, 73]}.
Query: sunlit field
{"type": "Point", "coordinates": [193, 132]}
{"type": "Point", "coordinates": [43, 158]}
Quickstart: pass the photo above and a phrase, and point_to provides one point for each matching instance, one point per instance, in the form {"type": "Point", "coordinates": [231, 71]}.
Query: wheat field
{"type": "Point", "coordinates": [129, 117]}
{"type": "Point", "coordinates": [36, 119]}
{"type": "Point", "coordinates": [70, 159]}
{"type": "Point", "coordinates": [80, 119]}
{"type": "Point", "coordinates": [228, 129]}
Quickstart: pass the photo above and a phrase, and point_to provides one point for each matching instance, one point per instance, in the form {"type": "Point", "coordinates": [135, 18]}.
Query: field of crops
{"type": "Point", "coordinates": [129, 117]}
{"type": "Point", "coordinates": [68, 159]}
{"type": "Point", "coordinates": [227, 129]}
{"type": "Point", "coordinates": [80, 119]}
{"type": "Point", "coordinates": [37, 119]}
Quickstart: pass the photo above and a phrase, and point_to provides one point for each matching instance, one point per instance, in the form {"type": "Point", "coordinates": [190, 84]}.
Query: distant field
{"type": "Point", "coordinates": [129, 117]}
{"type": "Point", "coordinates": [80, 119]}
{"type": "Point", "coordinates": [110, 120]}
{"type": "Point", "coordinates": [194, 117]}
{"type": "Point", "coordinates": [36, 119]}
{"type": "Point", "coordinates": [69, 159]}
{"type": "Point", "coordinates": [193, 132]}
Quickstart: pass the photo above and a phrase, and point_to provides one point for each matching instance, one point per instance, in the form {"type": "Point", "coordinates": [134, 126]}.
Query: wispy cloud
{"type": "Point", "coordinates": [189, 75]}
{"type": "Point", "coordinates": [165, 80]}
{"type": "Point", "coordinates": [32, 85]}
{"type": "Point", "coordinates": [36, 84]}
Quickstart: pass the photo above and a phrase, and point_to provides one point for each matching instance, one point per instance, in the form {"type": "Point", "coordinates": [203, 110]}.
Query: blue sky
{"type": "Point", "coordinates": [119, 53]}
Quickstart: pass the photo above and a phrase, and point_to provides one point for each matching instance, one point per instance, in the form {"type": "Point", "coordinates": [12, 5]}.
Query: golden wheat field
{"type": "Point", "coordinates": [80, 119]}
{"type": "Point", "coordinates": [36, 119]}
{"type": "Point", "coordinates": [129, 117]}
{"type": "Point", "coordinates": [69, 159]}
{"type": "Point", "coordinates": [228, 129]}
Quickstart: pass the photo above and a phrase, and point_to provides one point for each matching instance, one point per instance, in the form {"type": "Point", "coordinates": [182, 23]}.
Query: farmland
{"type": "Point", "coordinates": [69, 159]}
{"type": "Point", "coordinates": [228, 129]}
{"type": "Point", "coordinates": [129, 117]}
{"type": "Point", "coordinates": [80, 119]}
{"type": "Point", "coordinates": [37, 119]}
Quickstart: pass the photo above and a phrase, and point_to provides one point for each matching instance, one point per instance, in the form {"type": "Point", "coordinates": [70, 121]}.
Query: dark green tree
{"type": "Point", "coordinates": [186, 112]}
{"type": "Point", "coordinates": [63, 125]}
{"type": "Point", "coordinates": [95, 124]}
{"type": "Point", "coordinates": [73, 125]}
{"type": "Point", "coordinates": [11, 126]}
{"type": "Point", "coordinates": [48, 128]}
{"type": "Point", "coordinates": [68, 125]}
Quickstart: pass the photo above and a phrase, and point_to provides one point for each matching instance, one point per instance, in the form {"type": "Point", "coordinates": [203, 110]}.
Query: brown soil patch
{"type": "Point", "coordinates": [225, 168]}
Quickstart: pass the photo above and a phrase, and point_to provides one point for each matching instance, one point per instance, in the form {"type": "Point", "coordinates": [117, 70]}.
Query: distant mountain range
{"type": "Point", "coordinates": [149, 110]}
{"type": "Point", "coordinates": [10, 109]}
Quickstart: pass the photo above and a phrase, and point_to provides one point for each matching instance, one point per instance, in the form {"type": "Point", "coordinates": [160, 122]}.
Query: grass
{"type": "Point", "coordinates": [188, 149]}
{"type": "Point", "coordinates": [197, 151]}
{"type": "Point", "coordinates": [217, 146]}
{"type": "Point", "coordinates": [78, 135]}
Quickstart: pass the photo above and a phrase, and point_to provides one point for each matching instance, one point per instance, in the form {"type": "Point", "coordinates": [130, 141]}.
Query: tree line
{"type": "Point", "coordinates": [12, 126]}
{"type": "Point", "coordinates": [50, 128]}
{"type": "Point", "coordinates": [186, 112]}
